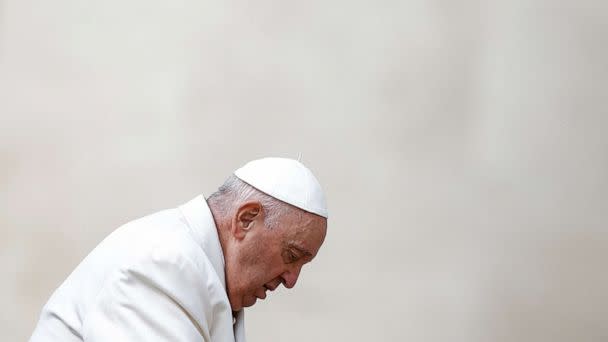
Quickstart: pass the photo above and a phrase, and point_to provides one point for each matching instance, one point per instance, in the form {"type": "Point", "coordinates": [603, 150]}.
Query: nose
{"type": "Point", "coordinates": [290, 277]}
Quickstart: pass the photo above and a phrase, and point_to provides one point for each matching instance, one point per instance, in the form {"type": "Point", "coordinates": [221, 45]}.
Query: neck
{"type": "Point", "coordinates": [221, 224]}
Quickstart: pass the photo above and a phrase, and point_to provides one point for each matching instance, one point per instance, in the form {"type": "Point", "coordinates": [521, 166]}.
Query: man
{"type": "Point", "coordinates": [185, 274]}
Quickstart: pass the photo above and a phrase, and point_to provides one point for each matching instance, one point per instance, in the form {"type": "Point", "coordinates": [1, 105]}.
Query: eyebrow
{"type": "Point", "coordinates": [299, 248]}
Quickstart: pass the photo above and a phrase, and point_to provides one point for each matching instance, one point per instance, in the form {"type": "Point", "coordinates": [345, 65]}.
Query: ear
{"type": "Point", "coordinates": [245, 217]}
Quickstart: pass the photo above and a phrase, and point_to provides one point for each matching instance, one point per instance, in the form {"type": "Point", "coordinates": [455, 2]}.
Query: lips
{"type": "Point", "coordinates": [260, 293]}
{"type": "Point", "coordinates": [273, 284]}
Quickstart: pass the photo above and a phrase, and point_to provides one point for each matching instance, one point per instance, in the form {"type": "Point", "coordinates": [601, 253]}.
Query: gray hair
{"type": "Point", "coordinates": [234, 192]}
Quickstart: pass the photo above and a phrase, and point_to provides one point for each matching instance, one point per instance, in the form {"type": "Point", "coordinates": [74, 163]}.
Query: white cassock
{"type": "Point", "coordinates": [158, 278]}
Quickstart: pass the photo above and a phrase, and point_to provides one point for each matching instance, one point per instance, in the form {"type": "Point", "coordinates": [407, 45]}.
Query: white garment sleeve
{"type": "Point", "coordinates": [159, 298]}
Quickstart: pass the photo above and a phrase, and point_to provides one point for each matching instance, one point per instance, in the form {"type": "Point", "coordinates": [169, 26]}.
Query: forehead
{"type": "Point", "coordinates": [306, 231]}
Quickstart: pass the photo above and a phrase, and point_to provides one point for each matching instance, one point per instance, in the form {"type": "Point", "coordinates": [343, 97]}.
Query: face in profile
{"type": "Point", "coordinates": [263, 258]}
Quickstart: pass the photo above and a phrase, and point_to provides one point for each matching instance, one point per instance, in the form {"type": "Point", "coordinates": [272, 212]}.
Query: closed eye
{"type": "Point", "coordinates": [290, 256]}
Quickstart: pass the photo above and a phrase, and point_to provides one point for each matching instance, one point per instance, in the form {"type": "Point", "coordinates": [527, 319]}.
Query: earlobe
{"type": "Point", "coordinates": [245, 218]}
{"type": "Point", "coordinates": [238, 230]}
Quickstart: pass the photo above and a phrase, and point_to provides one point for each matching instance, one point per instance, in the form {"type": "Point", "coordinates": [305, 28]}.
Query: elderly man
{"type": "Point", "coordinates": [185, 274]}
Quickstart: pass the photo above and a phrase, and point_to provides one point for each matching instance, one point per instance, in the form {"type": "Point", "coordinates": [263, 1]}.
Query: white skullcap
{"type": "Point", "coordinates": [287, 180]}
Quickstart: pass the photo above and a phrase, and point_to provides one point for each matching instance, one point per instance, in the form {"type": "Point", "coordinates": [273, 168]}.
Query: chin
{"type": "Point", "coordinates": [235, 307]}
{"type": "Point", "coordinates": [249, 301]}
{"type": "Point", "coordinates": [235, 303]}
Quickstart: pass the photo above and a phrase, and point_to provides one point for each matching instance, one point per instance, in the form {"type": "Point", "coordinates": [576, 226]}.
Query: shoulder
{"type": "Point", "coordinates": [157, 248]}
{"type": "Point", "coordinates": [168, 249]}
{"type": "Point", "coordinates": [168, 271]}
{"type": "Point", "coordinates": [162, 235]}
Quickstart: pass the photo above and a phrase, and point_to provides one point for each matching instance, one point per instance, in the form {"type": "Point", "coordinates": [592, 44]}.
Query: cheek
{"type": "Point", "coordinates": [254, 264]}
{"type": "Point", "coordinates": [270, 266]}
{"type": "Point", "coordinates": [259, 263]}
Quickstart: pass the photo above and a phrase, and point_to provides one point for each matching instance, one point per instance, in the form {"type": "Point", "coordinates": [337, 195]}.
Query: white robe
{"type": "Point", "coordinates": [158, 278]}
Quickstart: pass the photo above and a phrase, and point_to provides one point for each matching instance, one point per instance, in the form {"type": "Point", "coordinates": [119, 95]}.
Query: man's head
{"type": "Point", "coordinates": [265, 241]}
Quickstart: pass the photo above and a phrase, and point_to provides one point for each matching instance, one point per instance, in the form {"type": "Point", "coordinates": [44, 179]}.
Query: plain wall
{"type": "Point", "coordinates": [463, 147]}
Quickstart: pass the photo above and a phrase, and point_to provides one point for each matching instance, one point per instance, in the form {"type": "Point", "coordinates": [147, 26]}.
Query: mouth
{"type": "Point", "coordinates": [272, 285]}
{"type": "Point", "coordinates": [261, 292]}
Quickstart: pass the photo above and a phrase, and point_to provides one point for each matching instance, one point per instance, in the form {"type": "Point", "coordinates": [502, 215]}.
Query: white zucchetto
{"type": "Point", "coordinates": [287, 180]}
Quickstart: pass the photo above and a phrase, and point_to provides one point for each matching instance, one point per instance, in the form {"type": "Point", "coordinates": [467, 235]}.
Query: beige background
{"type": "Point", "coordinates": [463, 146]}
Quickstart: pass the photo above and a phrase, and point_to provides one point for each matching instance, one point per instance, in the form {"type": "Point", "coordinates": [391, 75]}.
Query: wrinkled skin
{"type": "Point", "coordinates": [259, 259]}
